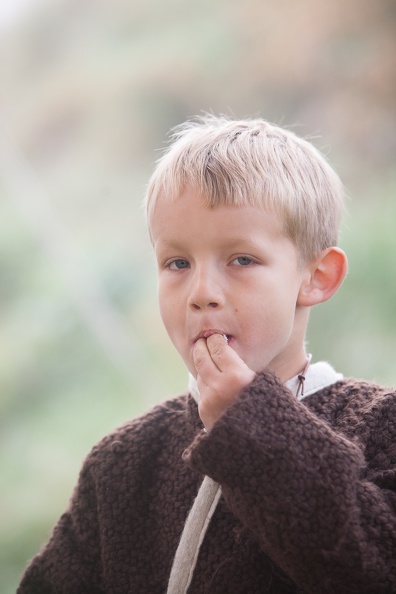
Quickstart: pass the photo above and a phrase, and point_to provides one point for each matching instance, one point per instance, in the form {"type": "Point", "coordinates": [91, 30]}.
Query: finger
{"type": "Point", "coordinates": [203, 362]}
{"type": "Point", "coordinates": [224, 357]}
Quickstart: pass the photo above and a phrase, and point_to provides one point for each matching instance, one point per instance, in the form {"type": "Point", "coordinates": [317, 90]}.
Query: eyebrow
{"type": "Point", "coordinates": [228, 243]}
{"type": "Point", "coordinates": [169, 243]}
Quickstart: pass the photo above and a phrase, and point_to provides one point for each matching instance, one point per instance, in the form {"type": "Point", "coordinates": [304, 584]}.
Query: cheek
{"type": "Point", "coordinates": [165, 307]}
{"type": "Point", "coordinates": [171, 311]}
{"type": "Point", "coordinates": [270, 318]}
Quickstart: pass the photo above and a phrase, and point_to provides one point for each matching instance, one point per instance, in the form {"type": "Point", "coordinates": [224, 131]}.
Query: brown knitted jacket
{"type": "Point", "coordinates": [308, 504]}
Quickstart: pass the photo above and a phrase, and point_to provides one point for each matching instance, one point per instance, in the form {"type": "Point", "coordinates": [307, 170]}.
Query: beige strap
{"type": "Point", "coordinates": [193, 534]}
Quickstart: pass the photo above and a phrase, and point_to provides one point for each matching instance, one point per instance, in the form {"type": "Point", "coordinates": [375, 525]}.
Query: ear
{"type": "Point", "coordinates": [324, 277]}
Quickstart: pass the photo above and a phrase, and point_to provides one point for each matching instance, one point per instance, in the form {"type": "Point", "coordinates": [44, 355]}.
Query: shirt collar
{"type": "Point", "coordinates": [318, 376]}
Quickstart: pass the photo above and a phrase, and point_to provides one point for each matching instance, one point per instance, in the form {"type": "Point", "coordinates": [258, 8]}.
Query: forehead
{"type": "Point", "coordinates": [188, 216]}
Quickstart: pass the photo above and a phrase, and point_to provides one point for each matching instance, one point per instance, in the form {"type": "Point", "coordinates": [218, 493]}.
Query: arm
{"type": "Point", "coordinates": [69, 562]}
{"type": "Point", "coordinates": [303, 490]}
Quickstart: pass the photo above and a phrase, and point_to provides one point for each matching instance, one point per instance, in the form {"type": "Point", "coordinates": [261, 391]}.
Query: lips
{"type": "Point", "coordinates": [209, 332]}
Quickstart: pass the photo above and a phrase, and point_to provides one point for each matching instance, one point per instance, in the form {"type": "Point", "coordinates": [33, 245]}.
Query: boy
{"type": "Point", "coordinates": [271, 475]}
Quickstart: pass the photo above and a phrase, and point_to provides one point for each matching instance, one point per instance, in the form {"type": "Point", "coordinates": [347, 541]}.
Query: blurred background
{"type": "Point", "coordinates": [88, 92]}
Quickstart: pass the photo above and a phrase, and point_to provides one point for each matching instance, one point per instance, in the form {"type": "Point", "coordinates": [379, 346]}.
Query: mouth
{"type": "Point", "coordinates": [207, 333]}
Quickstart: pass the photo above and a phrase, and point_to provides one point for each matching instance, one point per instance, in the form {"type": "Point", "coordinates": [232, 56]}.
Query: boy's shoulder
{"type": "Point", "coordinates": [354, 406]}
{"type": "Point", "coordinates": [370, 398]}
{"type": "Point", "coordinates": [363, 394]}
{"type": "Point", "coordinates": [173, 421]}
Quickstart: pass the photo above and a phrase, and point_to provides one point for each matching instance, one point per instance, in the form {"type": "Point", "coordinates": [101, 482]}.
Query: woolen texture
{"type": "Point", "coordinates": [308, 498]}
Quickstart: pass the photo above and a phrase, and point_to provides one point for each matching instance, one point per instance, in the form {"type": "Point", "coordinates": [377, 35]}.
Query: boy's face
{"type": "Point", "coordinates": [229, 270]}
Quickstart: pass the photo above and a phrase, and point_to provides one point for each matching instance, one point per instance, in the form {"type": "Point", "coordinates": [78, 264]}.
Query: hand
{"type": "Point", "coordinates": [221, 376]}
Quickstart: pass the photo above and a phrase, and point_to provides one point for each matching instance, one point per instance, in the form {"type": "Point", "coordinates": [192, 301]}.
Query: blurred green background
{"type": "Point", "coordinates": [89, 89]}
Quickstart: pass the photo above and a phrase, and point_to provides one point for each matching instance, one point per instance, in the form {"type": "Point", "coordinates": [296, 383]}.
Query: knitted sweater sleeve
{"type": "Point", "coordinates": [317, 506]}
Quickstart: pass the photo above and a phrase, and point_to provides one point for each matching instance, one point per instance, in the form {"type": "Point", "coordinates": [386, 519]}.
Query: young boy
{"type": "Point", "coordinates": [271, 474]}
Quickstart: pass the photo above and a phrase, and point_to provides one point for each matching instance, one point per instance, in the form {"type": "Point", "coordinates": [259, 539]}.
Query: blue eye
{"type": "Point", "coordinates": [243, 260]}
{"type": "Point", "coordinates": [178, 264]}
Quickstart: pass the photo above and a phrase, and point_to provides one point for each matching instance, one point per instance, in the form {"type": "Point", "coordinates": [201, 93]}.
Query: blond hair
{"type": "Point", "coordinates": [242, 162]}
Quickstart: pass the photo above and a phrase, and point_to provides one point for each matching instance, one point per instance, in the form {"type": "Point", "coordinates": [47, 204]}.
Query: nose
{"type": "Point", "coordinates": [206, 291]}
